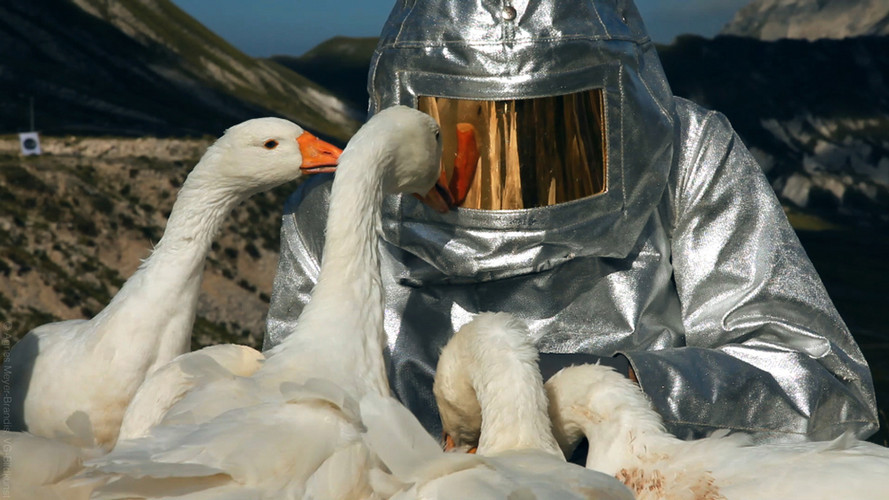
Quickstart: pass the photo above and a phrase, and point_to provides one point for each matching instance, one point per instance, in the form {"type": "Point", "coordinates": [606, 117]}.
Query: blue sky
{"type": "Point", "coordinates": [263, 28]}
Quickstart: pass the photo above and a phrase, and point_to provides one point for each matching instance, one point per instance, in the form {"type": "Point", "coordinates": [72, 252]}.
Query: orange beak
{"type": "Point", "coordinates": [318, 156]}
{"type": "Point", "coordinates": [449, 444]}
{"type": "Point", "coordinates": [465, 163]}
{"type": "Point", "coordinates": [451, 194]}
{"type": "Point", "coordinates": [438, 197]}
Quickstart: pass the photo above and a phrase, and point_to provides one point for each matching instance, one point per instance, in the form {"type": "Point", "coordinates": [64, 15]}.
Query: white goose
{"type": "Point", "coordinates": [627, 439]}
{"type": "Point", "coordinates": [94, 367]}
{"type": "Point", "coordinates": [490, 395]}
{"type": "Point", "coordinates": [489, 390]}
{"type": "Point", "coordinates": [292, 428]}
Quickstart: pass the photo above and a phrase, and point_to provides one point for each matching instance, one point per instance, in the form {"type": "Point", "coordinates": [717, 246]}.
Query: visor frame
{"type": "Point", "coordinates": [411, 85]}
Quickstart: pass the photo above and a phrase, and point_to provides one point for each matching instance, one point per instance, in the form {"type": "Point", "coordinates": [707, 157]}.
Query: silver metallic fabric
{"type": "Point", "coordinates": [686, 265]}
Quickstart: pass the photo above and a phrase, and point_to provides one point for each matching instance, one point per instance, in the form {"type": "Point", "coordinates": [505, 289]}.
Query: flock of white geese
{"type": "Point", "coordinates": [115, 407]}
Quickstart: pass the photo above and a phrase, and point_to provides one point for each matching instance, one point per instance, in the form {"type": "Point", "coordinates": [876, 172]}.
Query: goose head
{"type": "Point", "coordinates": [262, 153]}
{"type": "Point", "coordinates": [409, 145]}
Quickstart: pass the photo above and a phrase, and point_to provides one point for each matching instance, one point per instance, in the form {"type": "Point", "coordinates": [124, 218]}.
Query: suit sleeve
{"type": "Point", "coordinates": [766, 351]}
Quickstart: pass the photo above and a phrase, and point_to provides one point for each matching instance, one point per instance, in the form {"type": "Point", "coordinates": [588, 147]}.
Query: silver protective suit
{"type": "Point", "coordinates": [687, 264]}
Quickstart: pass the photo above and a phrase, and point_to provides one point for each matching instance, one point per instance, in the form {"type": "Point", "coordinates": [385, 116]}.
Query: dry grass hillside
{"type": "Point", "coordinates": [75, 222]}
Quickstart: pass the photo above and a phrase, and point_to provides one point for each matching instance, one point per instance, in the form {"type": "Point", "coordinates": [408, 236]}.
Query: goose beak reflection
{"type": "Point", "coordinates": [465, 163]}
{"type": "Point", "coordinates": [318, 156]}
{"type": "Point", "coordinates": [438, 198]}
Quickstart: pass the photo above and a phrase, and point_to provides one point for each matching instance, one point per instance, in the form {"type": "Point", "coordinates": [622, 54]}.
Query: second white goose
{"type": "Point", "coordinates": [627, 439]}
{"type": "Point", "coordinates": [490, 395]}
{"type": "Point", "coordinates": [292, 428]}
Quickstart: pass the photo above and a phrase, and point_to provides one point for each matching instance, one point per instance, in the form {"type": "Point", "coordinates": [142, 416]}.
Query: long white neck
{"type": "Point", "coordinates": [340, 332]}
{"type": "Point", "coordinates": [611, 411]}
{"type": "Point", "coordinates": [495, 355]}
{"type": "Point", "coordinates": [506, 403]}
{"type": "Point", "coordinates": [155, 308]}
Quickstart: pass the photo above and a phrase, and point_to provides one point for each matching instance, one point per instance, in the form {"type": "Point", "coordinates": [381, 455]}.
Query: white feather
{"type": "Point", "coordinates": [627, 439]}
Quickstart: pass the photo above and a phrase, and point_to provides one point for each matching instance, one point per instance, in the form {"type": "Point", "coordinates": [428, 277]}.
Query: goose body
{"type": "Point", "coordinates": [291, 428]}
{"type": "Point", "coordinates": [93, 367]}
{"type": "Point", "coordinates": [476, 387]}
{"type": "Point", "coordinates": [627, 439]}
{"type": "Point", "coordinates": [490, 394]}
{"type": "Point", "coordinates": [169, 383]}
{"type": "Point", "coordinates": [417, 468]}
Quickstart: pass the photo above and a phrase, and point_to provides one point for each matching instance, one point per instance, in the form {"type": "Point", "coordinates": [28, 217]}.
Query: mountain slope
{"type": "Point", "coordinates": [816, 114]}
{"type": "Point", "coordinates": [810, 19]}
{"type": "Point", "coordinates": [140, 67]}
{"type": "Point", "coordinates": [339, 64]}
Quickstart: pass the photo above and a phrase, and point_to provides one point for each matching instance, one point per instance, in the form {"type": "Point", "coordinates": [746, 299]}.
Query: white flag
{"type": "Point", "coordinates": [30, 142]}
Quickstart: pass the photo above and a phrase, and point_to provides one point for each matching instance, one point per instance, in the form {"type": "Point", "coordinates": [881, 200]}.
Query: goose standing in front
{"type": "Point", "coordinates": [93, 367]}
{"type": "Point", "coordinates": [627, 439]}
{"type": "Point", "coordinates": [292, 429]}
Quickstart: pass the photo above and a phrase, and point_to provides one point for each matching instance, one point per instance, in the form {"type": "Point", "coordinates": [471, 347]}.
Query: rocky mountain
{"type": "Point", "coordinates": [339, 64]}
{"type": "Point", "coordinates": [810, 19]}
{"type": "Point", "coordinates": [816, 114]}
{"type": "Point", "coordinates": [143, 67]}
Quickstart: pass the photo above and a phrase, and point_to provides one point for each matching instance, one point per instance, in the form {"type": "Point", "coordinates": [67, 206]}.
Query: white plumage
{"type": "Point", "coordinates": [490, 394]}
{"type": "Point", "coordinates": [168, 384]}
{"type": "Point", "coordinates": [34, 465]}
{"type": "Point", "coordinates": [291, 428]}
{"type": "Point", "coordinates": [627, 439]}
{"type": "Point", "coordinates": [315, 420]}
{"type": "Point", "coordinates": [415, 467]}
{"type": "Point", "coordinates": [92, 368]}
{"type": "Point", "coordinates": [488, 390]}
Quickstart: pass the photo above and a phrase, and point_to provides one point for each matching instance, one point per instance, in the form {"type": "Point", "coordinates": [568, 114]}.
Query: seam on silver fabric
{"type": "Point", "coordinates": [404, 21]}
{"type": "Point", "coordinates": [623, 166]}
{"type": "Point", "coordinates": [604, 28]}
{"type": "Point", "coordinates": [399, 213]}
{"type": "Point", "coordinates": [375, 66]}
{"type": "Point", "coordinates": [399, 83]}
{"type": "Point", "coordinates": [516, 41]}
{"type": "Point", "coordinates": [645, 84]}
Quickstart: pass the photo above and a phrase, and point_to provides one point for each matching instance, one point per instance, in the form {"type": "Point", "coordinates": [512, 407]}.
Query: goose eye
{"type": "Point", "coordinates": [271, 144]}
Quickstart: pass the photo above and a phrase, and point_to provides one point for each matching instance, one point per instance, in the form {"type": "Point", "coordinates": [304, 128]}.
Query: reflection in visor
{"type": "Point", "coordinates": [530, 152]}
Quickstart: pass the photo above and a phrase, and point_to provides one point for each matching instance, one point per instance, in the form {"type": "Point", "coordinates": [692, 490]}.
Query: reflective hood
{"type": "Point", "coordinates": [502, 50]}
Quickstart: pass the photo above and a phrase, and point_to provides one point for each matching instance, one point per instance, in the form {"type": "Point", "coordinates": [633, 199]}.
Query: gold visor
{"type": "Point", "coordinates": [525, 153]}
